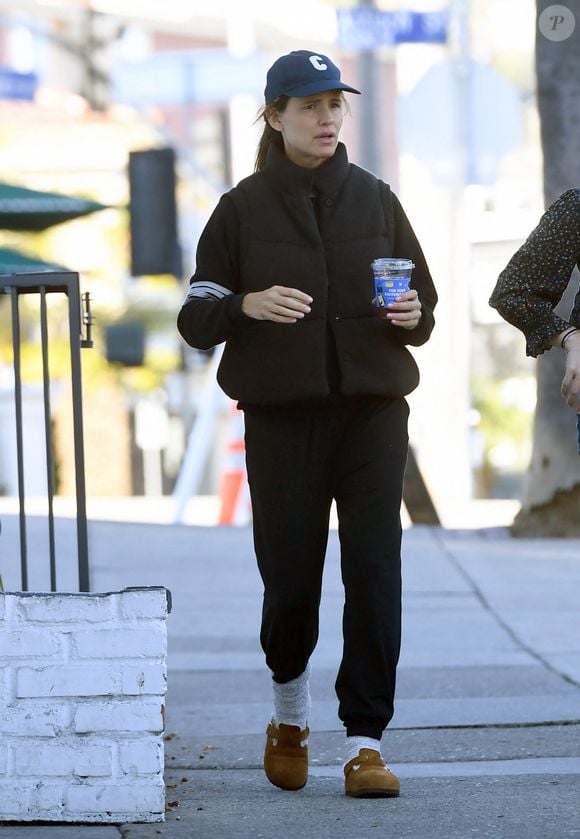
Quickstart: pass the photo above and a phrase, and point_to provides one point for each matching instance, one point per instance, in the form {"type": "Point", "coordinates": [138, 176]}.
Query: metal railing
{"type": "Point", "coordinates": [79, 324]}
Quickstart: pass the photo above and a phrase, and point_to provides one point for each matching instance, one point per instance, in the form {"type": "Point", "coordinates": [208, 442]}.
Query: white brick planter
{"type": "Point", "coordinates": [82, 692]}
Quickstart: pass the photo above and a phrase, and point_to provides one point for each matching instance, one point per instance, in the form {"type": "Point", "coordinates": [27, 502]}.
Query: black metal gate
{"type": "Point", "coordinates": [79, 327]}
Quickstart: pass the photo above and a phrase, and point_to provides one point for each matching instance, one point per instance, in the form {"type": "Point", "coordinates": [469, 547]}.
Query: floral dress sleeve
{"type": "Point", "coordinates": [535, 278]}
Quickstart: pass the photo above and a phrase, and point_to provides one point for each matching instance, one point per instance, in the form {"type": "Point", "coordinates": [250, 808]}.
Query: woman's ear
{"type": "Point", "coordinates": [273, 120]}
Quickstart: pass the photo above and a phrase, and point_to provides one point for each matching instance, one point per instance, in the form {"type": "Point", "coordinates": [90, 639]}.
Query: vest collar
{"type": "Point", "coordinates": [326, 179]}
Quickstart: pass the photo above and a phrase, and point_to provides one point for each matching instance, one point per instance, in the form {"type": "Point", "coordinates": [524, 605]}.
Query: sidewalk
{"type": "Point", "coordinates": [486, 735]}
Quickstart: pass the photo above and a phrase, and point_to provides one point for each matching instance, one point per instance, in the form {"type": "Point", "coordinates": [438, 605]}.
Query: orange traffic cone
{"type": "Point", "coordinates": [234, 492]}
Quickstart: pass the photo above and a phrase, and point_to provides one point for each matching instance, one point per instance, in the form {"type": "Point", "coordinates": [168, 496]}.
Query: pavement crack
{"type": "Point", "coordinates": [487, 725]}
{"type": "Point", "coordinates": [485, 603]}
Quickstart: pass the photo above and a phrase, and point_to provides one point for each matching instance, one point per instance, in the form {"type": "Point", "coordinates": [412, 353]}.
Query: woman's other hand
{"type": "Point", "coordinates": [571, 381]}
{"type": "Point", "coordinates": [278, 304]}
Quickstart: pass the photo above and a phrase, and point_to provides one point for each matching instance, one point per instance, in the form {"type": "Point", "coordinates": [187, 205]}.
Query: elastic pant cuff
{"type": "Point", "coordinates": [364, 730]}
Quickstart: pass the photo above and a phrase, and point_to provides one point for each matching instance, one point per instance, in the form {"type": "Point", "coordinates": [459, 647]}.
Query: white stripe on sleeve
{"type": "Point", "coordinates": [213, 291]}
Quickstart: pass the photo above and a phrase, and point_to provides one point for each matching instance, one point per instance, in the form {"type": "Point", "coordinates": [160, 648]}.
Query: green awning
{"type": "Point", "coordinates": [14, 262]}
{"type": "Point", "coordinates": [29, 209]}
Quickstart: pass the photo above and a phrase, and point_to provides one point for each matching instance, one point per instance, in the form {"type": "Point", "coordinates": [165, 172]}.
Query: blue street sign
{"type": "Point", "coordinates": [366, 28]}
{"type": "Point", "coordinates": [15, 85]}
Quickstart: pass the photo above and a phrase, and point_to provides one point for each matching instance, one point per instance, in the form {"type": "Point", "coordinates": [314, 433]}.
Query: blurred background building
{"type": "Point", "coordinates": [448, 118]}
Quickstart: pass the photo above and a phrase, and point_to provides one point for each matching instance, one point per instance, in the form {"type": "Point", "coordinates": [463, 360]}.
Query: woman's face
{"type": "Point", "coordinates": [310, 127]}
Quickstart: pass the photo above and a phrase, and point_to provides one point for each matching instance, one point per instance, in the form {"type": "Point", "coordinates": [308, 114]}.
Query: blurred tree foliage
{"type": "Point", "coordinates": [503, 422]}
{"type": "Point", "coordinates": [159, 361]}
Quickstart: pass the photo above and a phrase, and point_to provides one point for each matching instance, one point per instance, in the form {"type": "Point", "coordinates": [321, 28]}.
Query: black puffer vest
{"type": "Point", "coordinates": [283, 243]}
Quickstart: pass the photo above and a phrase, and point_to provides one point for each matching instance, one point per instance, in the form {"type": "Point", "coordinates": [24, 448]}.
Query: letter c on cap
{"type": "Point", "coordinates": [317, 62]}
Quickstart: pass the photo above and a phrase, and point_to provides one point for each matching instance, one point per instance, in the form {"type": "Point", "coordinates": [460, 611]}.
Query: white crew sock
{"type": "Point", "coordinates": [292, 701]}
{"type": "Point", "coordinates": [355, 744]}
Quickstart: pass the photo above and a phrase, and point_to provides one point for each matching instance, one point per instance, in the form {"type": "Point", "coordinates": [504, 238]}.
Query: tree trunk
{"type": "Point", "coordinates": [551, 497]}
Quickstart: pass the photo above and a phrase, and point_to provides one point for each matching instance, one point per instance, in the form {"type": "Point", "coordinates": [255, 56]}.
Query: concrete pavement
{"type": "Point", "coordinates": [486, 735]}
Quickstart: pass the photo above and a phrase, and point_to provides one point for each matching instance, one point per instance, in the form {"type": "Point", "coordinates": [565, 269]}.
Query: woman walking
{"type": "Point", "coordinates": [283, 277]}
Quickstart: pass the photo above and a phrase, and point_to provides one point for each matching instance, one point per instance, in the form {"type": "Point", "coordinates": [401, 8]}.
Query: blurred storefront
{"type": "Point", "coordinates": [86, 82]}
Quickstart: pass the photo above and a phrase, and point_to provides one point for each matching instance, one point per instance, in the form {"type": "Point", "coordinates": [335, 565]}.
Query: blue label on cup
{"type": "Point", "coordinates": [387, 291]}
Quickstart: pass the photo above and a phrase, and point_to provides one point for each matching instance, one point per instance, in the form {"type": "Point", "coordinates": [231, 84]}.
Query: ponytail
{"type": "Point", "coordinates": [269, 135]}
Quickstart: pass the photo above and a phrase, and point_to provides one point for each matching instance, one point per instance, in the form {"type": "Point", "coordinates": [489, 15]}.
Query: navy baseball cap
{"type": "Point", "coordinates": [302, 73]}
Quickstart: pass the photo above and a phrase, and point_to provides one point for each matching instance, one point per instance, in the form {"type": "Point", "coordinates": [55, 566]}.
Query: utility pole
{"type": "Point", "coordinates": [91, 49]}
{"type": "Point", "coordinates": [378, 137]}
{"type": "Point", "coordinates": [101, 31]}
{"type": "Point", "coordinates": [461, 44]}
{"type": "Point", "coordinates": [460, 343]}
{"type": "Point", "coordinates": [369, 153]}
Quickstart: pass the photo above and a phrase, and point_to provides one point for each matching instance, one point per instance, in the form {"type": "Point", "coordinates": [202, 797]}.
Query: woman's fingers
{"type": "Point", "coordinates": [405, 311]}
{"type": "Point", "coordinates": [288, 303]}
{"type": "Point", "coordinates": [294, 300]}
{"type": "Point", "coordinates": [278, 304]}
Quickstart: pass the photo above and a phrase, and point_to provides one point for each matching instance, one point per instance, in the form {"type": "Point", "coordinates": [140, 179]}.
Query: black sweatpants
{"type": "Point", "coordinates": [297, 462]}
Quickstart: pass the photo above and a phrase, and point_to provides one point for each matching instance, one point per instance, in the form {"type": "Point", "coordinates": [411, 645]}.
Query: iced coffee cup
{"type": "Point", "coordinates": [392, 277]}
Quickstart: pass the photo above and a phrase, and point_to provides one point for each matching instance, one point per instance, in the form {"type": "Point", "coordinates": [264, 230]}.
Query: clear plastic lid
{"type": "Point", "coordinates": [391, 264]}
